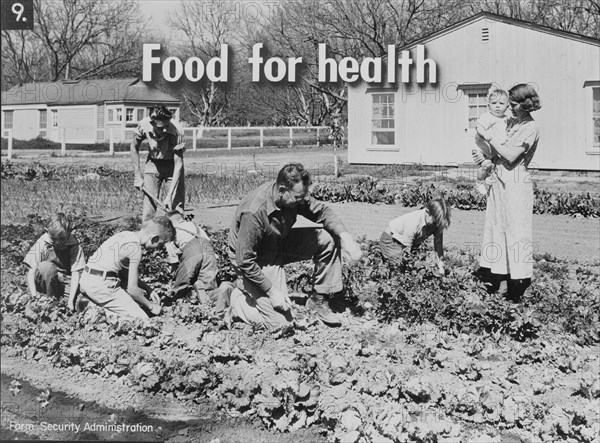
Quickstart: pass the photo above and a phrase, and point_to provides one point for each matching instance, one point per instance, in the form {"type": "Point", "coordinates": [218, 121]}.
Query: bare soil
{"type": "Point", "coordinates": [559, 235]}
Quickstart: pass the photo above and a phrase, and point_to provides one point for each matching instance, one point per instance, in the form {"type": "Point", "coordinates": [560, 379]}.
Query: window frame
{"type": "Point", "coordinates": [6, 119]}
{"type": "Point", "coordinates": [594, 108]}
{"type": "Point", "coordinates": [383, 118]}
{"type": "Point", "coordinates": [114, 114]}
{"type": "Point", "coordinates": [596, 117]}
{"type": "Point", "coordinates": [54, 118]}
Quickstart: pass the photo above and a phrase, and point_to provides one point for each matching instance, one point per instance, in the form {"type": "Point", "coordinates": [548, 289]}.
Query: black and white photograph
{"type": "Point", "coordinates": [298, 221]}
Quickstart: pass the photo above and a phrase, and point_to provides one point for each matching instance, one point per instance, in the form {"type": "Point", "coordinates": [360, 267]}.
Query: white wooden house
{"type": "Point", "coordinates": [434, 123]}
{"type": "Point", "coordinates": [83, 111]}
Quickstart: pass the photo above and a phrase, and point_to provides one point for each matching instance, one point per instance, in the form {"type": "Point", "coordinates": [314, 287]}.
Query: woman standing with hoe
{"type": "Point", "coordinates": [507, 248]}
{"type": "Point", "coordinates": [164, 164]}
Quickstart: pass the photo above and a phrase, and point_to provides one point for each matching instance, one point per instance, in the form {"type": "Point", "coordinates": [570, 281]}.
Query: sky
{"type": "Point", "coordinates": [239, 9]}
{"type": "Point", "coordinates": [157, 10]}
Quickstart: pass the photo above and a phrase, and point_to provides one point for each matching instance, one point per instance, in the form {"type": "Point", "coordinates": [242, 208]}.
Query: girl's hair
{"type": "Point", "coordinates": [526, 96]}
{"type": "Point", "coordinates": [162, 227]}
{"type": "Point", "coordinates": [439, 210]}
{"type": "Point", "coordinates": [59, 225]}
{"type": "Point", "coordinates": [159, 112]}
{"type": "Point", "coordinates": [496, 92]}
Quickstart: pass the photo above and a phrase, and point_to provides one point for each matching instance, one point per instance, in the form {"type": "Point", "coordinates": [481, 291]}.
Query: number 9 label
{"type": "Point", "coordinates": [17, 14]}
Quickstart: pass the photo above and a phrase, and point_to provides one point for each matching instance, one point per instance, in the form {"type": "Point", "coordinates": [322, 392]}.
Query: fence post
{"type": "Point", "coordinates": [229, 138]}
{"type": "Point", "coordinates": [291, 137]}
{"type": "Point", "coordinates": [111, 142]}
{"type": "Point", "coordinates": [10, 143]}
{"type": "Point", "coordinates": [262, 137]}
{"type": "Point", "coordinates": [318, 136]}
{"type": "Point", "coordinates": [194, 135]}
{"type": "Point", "coordinates": [63, 142]}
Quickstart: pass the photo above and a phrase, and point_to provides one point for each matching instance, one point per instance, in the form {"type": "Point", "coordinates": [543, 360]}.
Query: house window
{"type": "Point", "coordinates": [43, 118]}
{"type": "Point", "coordinates": [596, 116]}
{"type": "Point", "coordinates": [8, 119]}
{"type": "Point", "coordinates": [382, 119]}
{"type": "Point", "coordinates": [129, 114]}
{"type": "Point", "coordinates": [114, 115]}
{"type": "Point", "coordinates": [43, 123]}
{"type": "Point", "coordinates": [54, 114]}
{"type": "Point", "coordinates": [173, 112]}
{"type": "Point", "coordinates": [477, 105]}
{"type": "Point", "coordinates": [140, 114]}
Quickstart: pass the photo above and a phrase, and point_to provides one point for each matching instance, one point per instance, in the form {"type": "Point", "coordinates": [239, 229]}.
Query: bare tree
{"type": "Point", "coordinates": [204, 27]}
{"type": "Point", "coordinates": [74, 39]}
{"type": "Point", "coordinates": [577, 16]}
{"type": "Point", "coordinates": [355, 28]}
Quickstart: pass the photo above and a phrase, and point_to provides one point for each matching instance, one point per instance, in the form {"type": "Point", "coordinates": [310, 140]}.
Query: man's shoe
{"type": "Point", "coordinates": [319, 305]}
{"type": "Point", "coordinates": [222, 296]}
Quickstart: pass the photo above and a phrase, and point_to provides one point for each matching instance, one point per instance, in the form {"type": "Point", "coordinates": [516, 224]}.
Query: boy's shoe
{"type": "Point", "coordinates": [482, 187]}
{"type": "Point", "coordinates": [320, 306]}
{"type": "Point", "coordinates": [81, 302]}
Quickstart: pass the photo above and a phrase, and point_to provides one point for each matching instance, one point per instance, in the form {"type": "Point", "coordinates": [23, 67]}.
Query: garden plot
{"type": "Point", "coordinates": [419, 357]}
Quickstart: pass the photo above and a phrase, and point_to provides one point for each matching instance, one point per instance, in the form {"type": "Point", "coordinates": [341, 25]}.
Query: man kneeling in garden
{"type": "Point", "coordinates": [262, 241]}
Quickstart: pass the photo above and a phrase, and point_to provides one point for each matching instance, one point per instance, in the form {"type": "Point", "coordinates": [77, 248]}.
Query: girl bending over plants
{"type": "Point", "coordinates": [407, 232]}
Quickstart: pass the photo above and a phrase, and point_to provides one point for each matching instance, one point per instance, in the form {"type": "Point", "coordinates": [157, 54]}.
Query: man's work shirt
{"type": "Point", "coordinates": [259, 226]}
{"type": "Point", "coordinates": [160, 148]}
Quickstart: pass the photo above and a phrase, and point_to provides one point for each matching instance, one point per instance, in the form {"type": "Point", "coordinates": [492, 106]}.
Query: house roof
{"type": "Point", "coordinates": [85, 92]}
{"type": "Point", "coordinates": [503, 19]}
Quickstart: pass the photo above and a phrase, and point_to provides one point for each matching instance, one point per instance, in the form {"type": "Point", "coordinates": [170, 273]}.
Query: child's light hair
{"type": "Point", "coordinates": [496, 92]}
{"type": "Point", "coordinates": [439, 210]}
{"type": "Point", "coordinates": [162, 227]}
{"type": "Point", "coordinates": [59, 226]}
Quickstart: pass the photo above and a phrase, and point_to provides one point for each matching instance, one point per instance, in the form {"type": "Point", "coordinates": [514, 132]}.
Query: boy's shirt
{"type": "Point", "coordinates": [184, 233]}
{"type": "Point", "coordinates": [116, 253]}
{"type": "Point", "coordinates": [410, 229]}
{"type": "Point", "coordinates": [68, 258]}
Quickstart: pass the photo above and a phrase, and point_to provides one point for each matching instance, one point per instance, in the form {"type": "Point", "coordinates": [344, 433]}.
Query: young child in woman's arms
{"type": "Point", "coordinates": [491, 125]}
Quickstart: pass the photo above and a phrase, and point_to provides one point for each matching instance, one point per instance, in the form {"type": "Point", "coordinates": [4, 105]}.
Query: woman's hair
{"type": "Point", "coordinates": [439, 210]}
{"type": "Point", "coordinates": [526, 96]}
{"type": "Point", "coordinates": [496, 92]}
{"type": "Point", "coordinates": [59, 225]}
{"type": "Point", "coordinates": [161, 226]}
{"type": "Point", "coordinates": [291, 174]}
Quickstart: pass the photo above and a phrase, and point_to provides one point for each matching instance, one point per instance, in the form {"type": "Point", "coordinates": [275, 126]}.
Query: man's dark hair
{"type": "Point", "coordinates": [291, 174]}
{"type": "Point", "coordinates": [159, 112]}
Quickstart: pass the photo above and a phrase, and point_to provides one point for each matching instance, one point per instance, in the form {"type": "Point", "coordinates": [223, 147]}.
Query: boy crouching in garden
{"type": "Point", "coordinates": [195, 264]}
{"type": "Point", "coordinates": [55, 261]}
{"type": "Point", "coordinates": [110, 279]}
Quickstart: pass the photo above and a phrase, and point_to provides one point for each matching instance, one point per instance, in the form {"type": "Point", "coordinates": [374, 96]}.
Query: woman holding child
{"type": "Point", "coordinates": [507, 248]}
